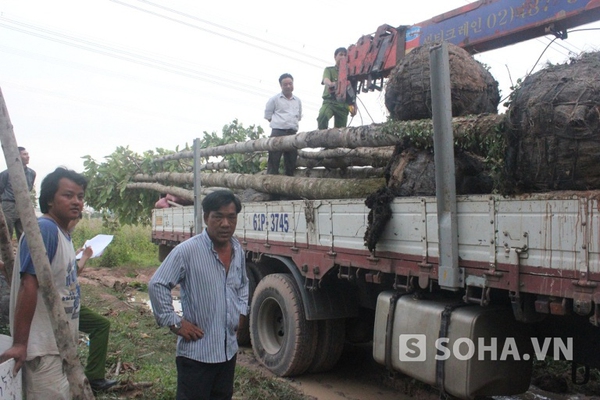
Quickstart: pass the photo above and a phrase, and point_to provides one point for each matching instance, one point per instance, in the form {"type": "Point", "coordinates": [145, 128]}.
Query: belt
{"type": "Point", "coordinates": [287, 130]}
{"type": "Point", "coordinates": [8, 201]}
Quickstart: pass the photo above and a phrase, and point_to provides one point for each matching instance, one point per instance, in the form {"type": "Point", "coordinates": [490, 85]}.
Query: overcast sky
{"type": "Point", "coordinates": [84, 77]}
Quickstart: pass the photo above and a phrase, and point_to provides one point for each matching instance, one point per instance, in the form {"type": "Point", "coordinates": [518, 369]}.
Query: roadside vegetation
{"type": "Point", "coordinates": [131, 245]}
{"type": "Point", "coordinates": [141, 355]}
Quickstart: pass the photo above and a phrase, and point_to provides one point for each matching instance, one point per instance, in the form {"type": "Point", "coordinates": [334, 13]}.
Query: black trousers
{"type": "Point", "coordinates": [202, 381]}
{"type": "Point", "coordinates": [289, 157]}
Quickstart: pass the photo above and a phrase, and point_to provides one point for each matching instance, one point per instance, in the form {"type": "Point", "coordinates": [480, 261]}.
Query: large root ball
{"type": "Point", "coordinates": [408, 91]}
{"type": "Point", "coordinates": [554, 140]}
{"type": "Point", "coordinates": [411, 172]}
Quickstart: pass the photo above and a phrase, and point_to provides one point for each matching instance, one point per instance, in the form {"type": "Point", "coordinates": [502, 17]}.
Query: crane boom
{"type": "Point", "coordinates": [477, 27]}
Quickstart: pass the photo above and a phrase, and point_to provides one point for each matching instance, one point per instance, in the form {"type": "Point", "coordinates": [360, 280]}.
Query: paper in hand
{"type": "Point", "coordinates": [98, 243]}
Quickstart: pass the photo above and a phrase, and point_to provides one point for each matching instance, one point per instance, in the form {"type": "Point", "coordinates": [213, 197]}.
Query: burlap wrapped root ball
{"type": "Point", "coordinates": [408, 90]}
{"type": "Point", "coordinates": [554, 128]}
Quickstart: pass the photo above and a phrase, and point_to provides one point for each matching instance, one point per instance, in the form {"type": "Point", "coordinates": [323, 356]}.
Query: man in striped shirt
{"type": "Point", "coordinates": [211, 271]}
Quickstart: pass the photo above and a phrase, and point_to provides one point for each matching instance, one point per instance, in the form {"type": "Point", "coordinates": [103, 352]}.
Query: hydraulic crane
{"type": "Point", "coordinates": [477, 27]}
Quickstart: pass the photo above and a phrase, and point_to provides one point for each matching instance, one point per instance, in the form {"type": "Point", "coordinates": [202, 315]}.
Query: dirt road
{"type": "Point", "coordinates": [355, 377]}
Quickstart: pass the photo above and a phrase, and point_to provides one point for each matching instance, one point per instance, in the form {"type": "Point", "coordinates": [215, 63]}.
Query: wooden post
{"type": "Point", "coordinates": [79, 387]}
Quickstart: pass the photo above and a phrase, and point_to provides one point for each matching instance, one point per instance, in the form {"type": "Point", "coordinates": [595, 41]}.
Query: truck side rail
{"type": "Point", "coordinates": [545, 244]}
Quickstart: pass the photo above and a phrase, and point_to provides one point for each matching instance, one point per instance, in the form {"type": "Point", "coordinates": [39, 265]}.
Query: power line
{"type": "Point", "coordinates": [267, 49]}
{"type": "Point", "coordinates": [227, 28]}
{"type": "Point", "coordinates": [174, 66]}
{"type": "Point", "coordinates": [130, 56]}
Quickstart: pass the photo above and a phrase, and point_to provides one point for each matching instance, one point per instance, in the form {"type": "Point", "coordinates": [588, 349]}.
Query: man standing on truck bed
{"type": "Point", "coordinates": [283, 111]}
{"type": "Point", "coordinates": [211, 271]}
{"type": "Point", "coordinates": [331, 106]}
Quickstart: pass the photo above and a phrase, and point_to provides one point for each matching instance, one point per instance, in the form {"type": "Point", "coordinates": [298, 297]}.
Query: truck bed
{"type": "Point", "coordinates": [545, 244]}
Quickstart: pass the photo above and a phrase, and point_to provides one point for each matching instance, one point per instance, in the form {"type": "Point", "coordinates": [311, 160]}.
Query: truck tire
{"type": "Point", "coordinates": [330, 344]}
{"type": "Point", "coordinates": [282, 339]}
{"type": "Point", "coordinates": [243, 332]}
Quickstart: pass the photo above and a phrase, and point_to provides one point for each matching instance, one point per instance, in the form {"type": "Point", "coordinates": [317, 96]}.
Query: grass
{"type": "Point", "coordinates": [131, 245]}
{"type": "Point", "coordinates": [143, 352]}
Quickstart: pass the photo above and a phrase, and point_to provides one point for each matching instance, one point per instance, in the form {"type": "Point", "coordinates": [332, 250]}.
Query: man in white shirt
{"type": "Point", "coordinates": [283, 111]}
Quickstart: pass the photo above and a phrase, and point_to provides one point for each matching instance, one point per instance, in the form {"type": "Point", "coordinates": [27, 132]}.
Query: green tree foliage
{"type": "Point", "coordinates": [107, 191]}
{"type": "Point", "coordinates": [235, 133]}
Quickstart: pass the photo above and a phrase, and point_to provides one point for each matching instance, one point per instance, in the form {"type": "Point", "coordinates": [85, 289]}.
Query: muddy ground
{"type": "Point", "coordinates": [355, 377]}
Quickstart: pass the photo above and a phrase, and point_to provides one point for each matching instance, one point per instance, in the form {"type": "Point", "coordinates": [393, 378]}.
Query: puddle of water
{"type": "Point", "coordinates": [144, 299]}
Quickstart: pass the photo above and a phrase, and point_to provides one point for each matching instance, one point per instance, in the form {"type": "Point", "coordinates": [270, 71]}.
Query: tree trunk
{"type": "Point", "coordinates": [215, 166]}
{"type": "Point", "coordinates": [78, 384]}
{"type": "Point", "coordinates": [471, 128]}
{"type": "Point", "coordinates": [340, 173]}
{"type": "Point", "coordinates": [170, 177]}
{"type": "Point", "coordinates": [334, 158]}
{"type": "Point", "coordinates": [382, 153]}
{"type": "Point", "coordinates": [174, 190]}
{"type": "Point", "coordinates": [308, 188]}
{"type": "Point", "coordinates": [341, 162]}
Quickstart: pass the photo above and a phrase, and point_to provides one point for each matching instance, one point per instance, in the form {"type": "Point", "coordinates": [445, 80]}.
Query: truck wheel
{"type": "Point", "coordinates": [282, 339]}
{"type": "Point", "coordinates": [330, 344]}
{"type": "Point", "coordinates": [163, 251]}
{"type": "Point", "coordinates": [243, 332]}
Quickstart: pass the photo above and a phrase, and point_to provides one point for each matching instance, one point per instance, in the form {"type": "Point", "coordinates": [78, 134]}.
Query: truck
{"type": "Point", "coordinates": [461, 292]}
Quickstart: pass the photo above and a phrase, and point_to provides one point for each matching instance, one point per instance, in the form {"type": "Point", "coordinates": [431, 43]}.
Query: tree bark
{"type": "Point", "coordinates": [376, 135]}
{"type": "Point", "coordinates": [78, 384]}
{"type": "Point", "coordinates": [334, 158]}
{"type": "Point", "coordinates": [174, 190]}
{"type": "Point", "coordinates": [215, 166]}
{"type": "Point", "coordinates": [340, 173]}
{"type": "Point", "coordinates": [341, 162]}
{"type": "Point", "coordinates": [170, 177]}
{"type": "Point", "coordinates": [362, 152]}
{"type": "Point", "coordinates": [308, 188]}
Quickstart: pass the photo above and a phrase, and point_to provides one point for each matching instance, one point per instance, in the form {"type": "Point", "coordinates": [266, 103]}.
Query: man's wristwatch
{"type": "Point", "coordinates": [175, 328]}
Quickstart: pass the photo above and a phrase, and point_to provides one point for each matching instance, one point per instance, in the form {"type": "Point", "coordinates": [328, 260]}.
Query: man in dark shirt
{"type": "Point", "coordinates": [13, 222]}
